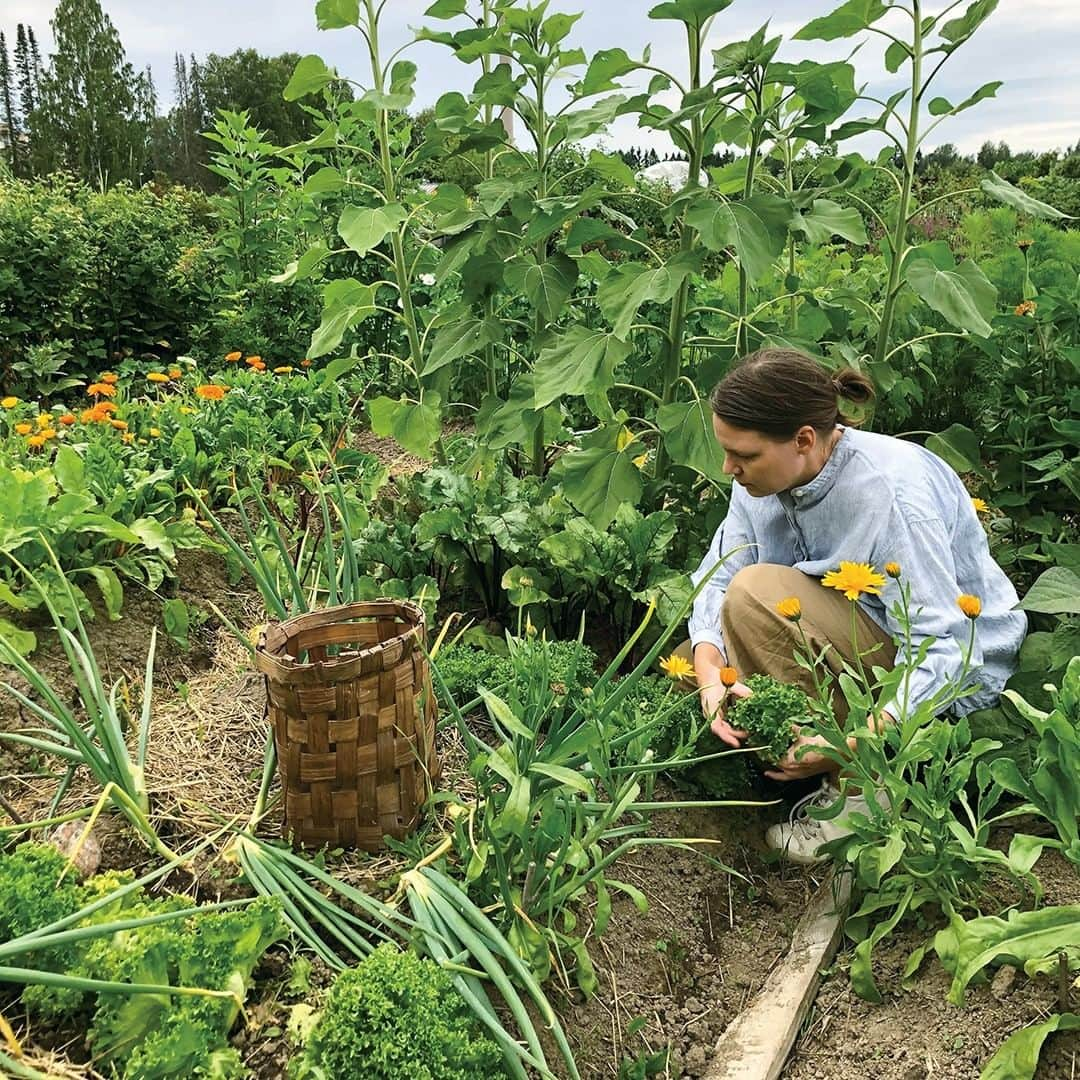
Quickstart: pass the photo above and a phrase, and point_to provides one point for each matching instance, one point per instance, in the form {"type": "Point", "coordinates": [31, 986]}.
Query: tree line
{"type": "Point", "coordinates": [90, 113]}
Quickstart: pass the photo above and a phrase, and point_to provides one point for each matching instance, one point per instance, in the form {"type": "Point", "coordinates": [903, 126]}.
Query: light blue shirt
{"type": "Point", "coordinates": [877, 500]}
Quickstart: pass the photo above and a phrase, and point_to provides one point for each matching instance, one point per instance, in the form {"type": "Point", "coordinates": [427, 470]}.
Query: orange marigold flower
{"type": "Point", "coordinates": [211, 392]}
{"type": "Point", "coordinates": [285, 369]}
{"type": "Point", "coordinates": [120, 425]}
{"type": "Point", "coordinates": [67, 419]}
{"type": "Point", "coordinates": [157, 377]}
{"type": "Point", "coordinates": [892, 569]}
{"type": "Point", "coordinates": [175, 373]}
{"type": "Point", "coordinates": [233, 357]}
{"type": "Point", "coordinates": [101, 389]}
{"type": "Point", "coordinates": [9, 402]}
{"type": "Point", "coordinates": [260, 366]}
{"type": "Point", "coordinates": [253, 360]}
{"type": "Point", "coordinates": [853, 579]}
{"type": "Point", "coordinates": [729, 676]}
{"type": "Point", "coordinates": [305, 362]}
{"type": "Point", "coordinates": [88, 416]}
{"type": "Point", "coordinates": [35, 442]}
{"type": "Point", "coordinates": [24, 428]}
{"type": "Point", "coordinates": [110, 378]}
{"type": "Point", "coordinates": [790, 608]}
{"type": "Point", "coordinates": [1026, 307]}
{"type": "Point", "coordinates": [970, 605]}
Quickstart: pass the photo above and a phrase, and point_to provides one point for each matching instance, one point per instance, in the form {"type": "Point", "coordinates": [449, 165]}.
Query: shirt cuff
{"type": "Point", "coordinates": [711, 637]}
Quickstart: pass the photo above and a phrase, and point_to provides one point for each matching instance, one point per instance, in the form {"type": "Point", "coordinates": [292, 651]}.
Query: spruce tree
{"type": "Point", "coordinates": [7, 108]}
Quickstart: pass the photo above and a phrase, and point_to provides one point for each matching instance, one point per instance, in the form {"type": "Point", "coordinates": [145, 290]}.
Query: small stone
{"type": "Point", "coordinates": [696, 1058]}
{"type": "Point", "coordinates": [1004, 981]}
{"type": "Point", "coordinates": [87, 856]}
{"type": "Point", "coordinates": [693, 1006]}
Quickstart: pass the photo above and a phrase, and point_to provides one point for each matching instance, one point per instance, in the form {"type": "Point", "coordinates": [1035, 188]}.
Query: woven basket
{"type": "Point", "coordinates": [355, 729]}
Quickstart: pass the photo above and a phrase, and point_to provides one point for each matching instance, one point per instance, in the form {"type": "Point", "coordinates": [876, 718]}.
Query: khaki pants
{"type": "Point", "coordinates": [759, 640]}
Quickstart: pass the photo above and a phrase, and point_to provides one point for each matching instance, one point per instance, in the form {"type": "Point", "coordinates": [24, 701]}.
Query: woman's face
{"type": "Point", "coordinates": [764, 465]}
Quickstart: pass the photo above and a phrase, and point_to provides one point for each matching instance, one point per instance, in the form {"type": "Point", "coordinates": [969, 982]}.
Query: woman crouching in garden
{"type": "Point", "coordinates": [810, 493]}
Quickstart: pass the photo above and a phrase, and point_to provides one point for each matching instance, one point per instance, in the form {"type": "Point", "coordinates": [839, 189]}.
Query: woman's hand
{"type": "Point", "coordinates": [713, 697]}
{"type": "Point", "coordinates": [799, 762]}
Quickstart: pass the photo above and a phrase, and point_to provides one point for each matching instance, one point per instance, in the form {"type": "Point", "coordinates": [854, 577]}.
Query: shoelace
{"type": "Point", "coordinates": [799, 819]}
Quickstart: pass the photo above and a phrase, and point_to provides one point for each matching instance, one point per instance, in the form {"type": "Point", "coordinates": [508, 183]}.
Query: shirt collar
{"type": "Point", "coordinates": [815, 490]}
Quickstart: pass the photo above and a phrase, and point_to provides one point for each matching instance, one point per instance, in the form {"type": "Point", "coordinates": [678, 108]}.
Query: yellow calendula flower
{"type": "Point", "coordinates": [157, 377]}
{"type": "Point", "coordinates": [970, 605]}
{"type": "Point", "coordinates": [677, 667]}
{"type": "Point", "coordinates": [9, 402]}
{"type": "Point", "coordinates": [24, 428]}
{"type": "Point", "coordinates": [127, 437]}
{"type": "Point", "coordinates": [154, 433]}
{"type": "Point", "coordinates": [44, 420]}
{"type": "Point", "coordinates": [790, 608]}
{"type": "Point", "coordinates": [48, 433]}
{"type": "Point", "coordinates": [35, 442]}
{"type": "Point", "coordinates": [892, 569]}
{"type": "Point", "coordinates": [980, 506]}
{"type": "Point", "coordinates": [187, 410]}
{"type": "Point", "coordinates": [284, 369]}
{"type": "Point", "coordinates": [853, 579]}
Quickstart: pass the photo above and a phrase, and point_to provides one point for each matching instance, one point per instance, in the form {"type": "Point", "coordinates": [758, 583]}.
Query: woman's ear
{"type": "Point", "coordinates": [806, 438]}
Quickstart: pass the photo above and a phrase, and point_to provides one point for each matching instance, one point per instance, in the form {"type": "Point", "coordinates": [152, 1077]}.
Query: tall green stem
{"type": "Point", "coordinates": [757, 127]}
{"type": "Point", "coordinates": [489, 173]}
{"type": "Point", "coordinates": [541, 134]}
{"type": "Point", "coordinates": [899, 236]}
{"type": "Point", "coordinates": [672, 368]}
{"type": "Point", "coordinates": [390, 194]}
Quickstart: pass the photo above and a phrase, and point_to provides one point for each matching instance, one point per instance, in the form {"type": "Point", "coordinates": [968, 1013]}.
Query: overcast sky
{"type": "Point", "coordinates": [1033, 45]}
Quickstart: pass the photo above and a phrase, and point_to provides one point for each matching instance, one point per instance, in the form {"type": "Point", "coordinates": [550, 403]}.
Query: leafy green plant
{"type": "Point", "coordinates": [770, 714]}
{"type": "Point", "coordinates": [1018, 1056]}
{"type": "Point", "coordinates": [98, 742]}
{"type": "Point", "coordinates": [392, 1017]}
{"type": "Point", "coordinates": [925, 843]}
{"type": "Point", "coordinates": [1051, 788]}
{"type": "Point", "coordinates": [1032, 940]}
{"type": "Point", "coordinates": [136, 953]}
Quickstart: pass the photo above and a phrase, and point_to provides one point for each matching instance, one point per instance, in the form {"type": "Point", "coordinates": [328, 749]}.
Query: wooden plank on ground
{"type": "Point", "coordinates": [755, 1045]}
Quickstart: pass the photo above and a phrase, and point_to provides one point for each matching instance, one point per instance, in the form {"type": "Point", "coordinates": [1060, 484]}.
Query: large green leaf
{"type": "Point", "coordinates": [69, 470]}
{"type": "Point", "coordinates": [345, 303]}
{"type": "Point", "coordinates": [962, 294]}
{"type": "Point", "coordinates": [599, 480]}
{"type": "Point", "coordinates": [958, 30]}
{"type": "Point", "coordinates": [940, 106]}
{"type": "Point", "coordinates": [826, 219]}
{"type": "Point", "coordinates": [24, 642]}
{"type": "Point", "coordinates": [692, 12]}
{"type": "Point", "coordinates": [309, 75]}
{"type": "Point", "coordinates": [364, 228]}
{"type": "Point", "coordinates": [582, 361]}
{"type": "Point", "coordinates": [112, 592]}
{"type": "Point", "coordinates": [414, 425]}
{"type": "Point", "coordinates": [756, 228]}
{"type": "Point", "coordinates": [546, 285]}
{"type": "Point", "coordinates": [1018, 1056]}
{"type": "Point", "coordinates": [337, 14]}
{"type": "Point", "coordinates": [849, 18]}
{"type": "Point", "coordinates": [1056, 592]}
{"type": "Point", "coordinates": [689, 437]}
{"type": "Point", "coordinates": [1025, 937]}
{"type": "Point", "coordinates": [959, 446]}
{"type": "Point", "coordinates": [604, 67]}
{"type": "Point", "coordinates": [1020, 200]}
{"type": "Point", "coordinates": [464, 337]}
{"type": "Point", "coordinates": [624, 290]}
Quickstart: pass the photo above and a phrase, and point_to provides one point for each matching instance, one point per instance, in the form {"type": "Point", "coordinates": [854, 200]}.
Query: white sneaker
{"type": "Point", "coordinates": [799, 839]}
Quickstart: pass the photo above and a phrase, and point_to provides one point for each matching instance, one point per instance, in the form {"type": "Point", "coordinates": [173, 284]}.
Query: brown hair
{"type": "Point", "coordinates": [778, 391]}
